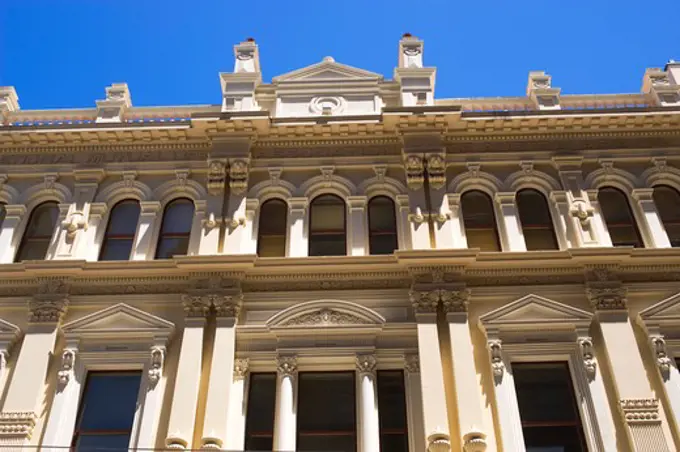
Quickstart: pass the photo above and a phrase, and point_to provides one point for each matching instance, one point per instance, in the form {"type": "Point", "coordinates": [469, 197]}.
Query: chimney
{"type": "Point", "coordinates": [238, 88]}
{"type": "Point", "coordinates": [417, 82]}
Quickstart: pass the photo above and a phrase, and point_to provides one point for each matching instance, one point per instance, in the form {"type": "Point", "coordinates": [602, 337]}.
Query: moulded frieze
{"type": "Point", "coordinates": [640, 411]}
{"type": "Point", "coordinates": [17, 425]}
{"type": "Point", "coordinates": [326, 317]}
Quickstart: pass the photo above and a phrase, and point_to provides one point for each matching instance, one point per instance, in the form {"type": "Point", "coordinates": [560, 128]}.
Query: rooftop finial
{"type": "Point", "coordinates": [329, 59]}
{"type": "Point", "coordinates": [407, 35]}
{"type": "Point", "coordinates": [250, 39]}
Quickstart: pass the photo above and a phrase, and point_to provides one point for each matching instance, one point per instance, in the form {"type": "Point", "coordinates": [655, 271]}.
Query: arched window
{"type": "Point", "coordinates": [173, 239]}
{"type": "Point", "coordinates": [327, 231]}
{"type": "Point", "coordinates": [618, 217]}
{"type": "Point", "coordinates": [271, 240]}
{"type": "Point", "coordinates": [479, 221]}
{"type": "Point", "coordinates": [382, 226]}
{"type": "Point", "coordinates": [41, 225]}
{"type": "Point", "coordinates": [120, 232]}
{"type": "Point", "coordinates": [667, 200]}
{"type": "Point", "coordinates": [537, 225]}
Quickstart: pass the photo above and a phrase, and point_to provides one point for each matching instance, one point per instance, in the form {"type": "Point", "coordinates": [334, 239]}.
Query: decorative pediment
{"type": "Point", "coordinates": [533, 311]}
{"type": "Point", "coordinates": [328, 71]}
{"type": "Point", "coordinates": [119, 321]}
{"type": "Point", "coordinates": [666, 312]}
{"type": "Point", "coordinates": [326, 314]}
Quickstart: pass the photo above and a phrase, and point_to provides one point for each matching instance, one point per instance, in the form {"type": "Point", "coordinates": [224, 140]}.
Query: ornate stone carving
{"type": "Point", "coordinates": [640, 411]}
{"type": "Point", "coordinates": [474, 441]}
{"type": "Point", "coordinates": [223, 296]}
{"type": "Point", "coordinates": [607, 297]}
{"type": "Point", "coordinates": [366, 364]}
{"type": "Point", "coordinates": [660, 351]}
{"type": "Point", "coordinates": [582, 211]}
{"type": "Point", "coordinates": [156, 365]}
{"type": "Point", "coordinates": [17, 424]}
{"type": "Point", "coordinates": [438, 442]}
{"type": "Point", "coordinates": [412, 363]}
{"type": "Point", "coordinates": [286, 366]}
{"type": "Point", "coordinates": [211, 222]}
{"type": "Point", "coordinates": [418, 217]}
{"type": "Point", "coordinates": [496, 353]}
{"type": "Point", "coordinates": [68, 361]}
{"type": "Point", "coordinates": [326, 317]}
{"type": "Point", "coordinates": [227, 305]}
{"type": "Point", "coordinates": [424, 302]}
{"type": "Point", "coordinates": [240, 368]}
{"type": "Point", "coordinates": [414, 167]}
{"type": "Point", "coordinates": [585, 344]}
{"type": "Point", "coordinates": [455, 300]}
{"type": "Point", "coordinates": [182, 177]}
{"type": "Point", "coordinates": [50, 301]}
{"type": "Point", "coordinates": [436, 170]}
{"type": "Point", "coordinates": [196, 305]}
{"type": "Point", "coordinates": [238, 175]}
{"type": "Point", "coordinates": [217, 176]}
{"type": "Point", "coordinates": [75, 221]}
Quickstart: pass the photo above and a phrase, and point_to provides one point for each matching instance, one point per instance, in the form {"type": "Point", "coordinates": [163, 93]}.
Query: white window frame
{"type": "Point", "coordinates": [95, 343]}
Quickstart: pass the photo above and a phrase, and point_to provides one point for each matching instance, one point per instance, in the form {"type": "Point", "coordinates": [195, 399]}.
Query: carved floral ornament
{"type": "Point", "coordinates": [217, 175]}
{"type": "Point", "coordinates": [452, 300]}
{"type": "Point", "coordinates": [366, 364]}
{"type": "Point", "coordinates": [238, 175]}
{"type": "Point", "coordinates": [286, 366]}
{"type": "Point", "coordinates": [412, 363]}
{"type": "Point", "coordinates": [326, 317]}
{"type": "Point", "coordinates": [414, 171]}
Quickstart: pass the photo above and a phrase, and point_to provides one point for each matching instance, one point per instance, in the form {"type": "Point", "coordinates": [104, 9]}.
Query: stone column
{"type": "Point", "coordinates": [637, 404]}
{"type": "Point", "coordinates": [236, 419]}
{"type": "Point", "coordinates": [63, 241]}
{"type": "Point", "coordinates": [566, 235]}
{"type": "Point", "coordinates": [358, 219]}
{"type": "Point", "coordinates": [144, 246]}
{"type": "Point", "coordinates": [468, 396]}
{"type": "Point", "coordinates": [26, 389]}
{"type": "Point", "coordinates": [403, 224]}
{"type": "Point", "coordinates": [298, 239]}
{"type": "Point", "coordinates": [512, 235]}
{"type": "Point", "coordinates": [185, 395]}
{"type": "Point", "coordinates": [435, 415]}
{"type": "Point", "coordinates": [285, 419]}
{"type": "Point", "coordinates": [227, 307]}
{"type": "Point", "coordinates": [94, 235]}
{"type": "Point", "coordinates": [368, 422]}
{"type": "Point", "coordinates": [414, 403]}
{"type": "Point", "coordinates": [10, 234]}
{"type": "Point", "coordinates": [653, 227]}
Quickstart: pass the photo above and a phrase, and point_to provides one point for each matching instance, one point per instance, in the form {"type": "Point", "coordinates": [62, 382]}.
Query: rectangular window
{"type": "Point", "coordinates": [392, 411]}
{"type": "Point", "coordinates": [547, 407]}
{"type": "Point", "coordinates": [260, 414]}
{"type": "Point", "coordinates": [326, 412]}
{"type": "Point", "coordinates": [107, 411]}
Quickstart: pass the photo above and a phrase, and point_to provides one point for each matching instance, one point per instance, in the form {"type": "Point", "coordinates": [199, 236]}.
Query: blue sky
{"type": "Point", "coordinates": [62, 53]}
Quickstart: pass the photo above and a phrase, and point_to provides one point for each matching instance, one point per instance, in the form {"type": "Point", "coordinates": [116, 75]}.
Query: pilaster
{"type": "Point", "coordinates": [95, 230]}
{"type": "Point", "coordinates": [298, 241]}
{"type": "Point", "coordinates": [418, 210]}
{"type": "Point", "coordinates": [144, 245]}
{"type": "Point", "coordinates": [237, 223]}
{"type": "Point", "coordinates": [512, 236]}
{"type": "Point", "coordinates": [653, 227]}
{"type": "Point", "coordinates": [9, 234]}
{"type": "Point", "coordinates": [212, 220]}
{"type": "Point", "coordinates": [236, 420]}
{"type": "Point", "coordinates": [414, 402]}
{"type": "Point", "coordinates": [358, 237]}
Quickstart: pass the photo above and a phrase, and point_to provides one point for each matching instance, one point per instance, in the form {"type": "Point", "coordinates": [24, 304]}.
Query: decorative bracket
{"type": "Point", "coordinates": [587, 353]}
{"type": "Point", "coordinates": [496, 352]}
{"type": "Point", "coordinates": [156, 365]}
{"type": "Point", "coordinates": [660, 351]}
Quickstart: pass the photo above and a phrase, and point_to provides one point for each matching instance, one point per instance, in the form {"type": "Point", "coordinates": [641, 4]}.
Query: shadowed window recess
{"type": "Point", "coordinates": [480, 221]}
{"type": "Point", "coordinates": [39, 231]}
{"type": "Point", "coordinates": [537, 224]}
{"type": "Point", "coordinates": [107, 411]}
{"type": "Point", "coordinates": [272, 228]}
{"type": "Point", "coordinates": [382, 226]}
{"type": "Point", "coordinates": [667, 201]}
{"type": "Point", "coordinates": [547, 407]}
{"type": "Point", "coordinates": [173, 239]}
{"type": "Point", "coordinates": [327, 226]}
{"type": "Point", "coordinates": [619, 218]}
{"type": "Point", "coordinates": [392, 411]}
{"type": "Point", "coordinates": [260, 414]}
{"type": "Point", "coordinates": [120, 232]}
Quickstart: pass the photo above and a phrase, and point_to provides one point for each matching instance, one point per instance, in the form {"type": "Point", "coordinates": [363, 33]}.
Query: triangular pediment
{"type": "Point", "coordinates": [533, 311]}
{"type": "Point", "coordinates": [117, 320]}
{"type": "Point", "coordinates": [327, 71]}
{"type": "Point", "coordinates": [665, 311]}
{"type": "Point", "coordinates": [326, 314]}
{"type": "Point", "coordinates": [8, 333]}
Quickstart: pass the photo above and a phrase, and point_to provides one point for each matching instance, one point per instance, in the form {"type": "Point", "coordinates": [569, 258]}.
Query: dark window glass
{"type": "Point", "coordinates": [392, 411]}
{"type": "Point", "coordinates": [326, 412]}
{"type": "Point", "coordinates": [260, 414]}
{"type": "Point", "coordinates": [479, 221]}
{"type": "Point", "coordinates": [39, 232]}
{"type": "Point", "coordinates": [271, 241]}
{"type": "Point", "coordinates": [537, 225]}
{"type": "Point", "coordinates": [107, 411]}
{"type": "Point", "coordinates": [667, 200]}
{"type": "Point", "coordinates": [619, 218]}
{"type": "Point", "coordinates": [120, 232]}
{"type": "Point", "coordinates": [547, 407]}
{"type": "Point", "coordinates": [175, 229]}
{"type": "Point", "coordinates": [382, 226]}
{"type": "Point", "coordinates": [327, 232]}
{"type": "Point", "coordinates": [3, 212]}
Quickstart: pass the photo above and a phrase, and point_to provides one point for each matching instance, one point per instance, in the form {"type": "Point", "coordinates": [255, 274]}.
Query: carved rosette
{"type": "Point", "coordinates": [286, 366]}
{"type": "Point", "coordinates": [607, 296]}
{"type": "Point", "coordinates": [156, 361]}
{"type": "Point", "coordinates": [240, 368]}
{"type": "Point", "coordinates": [68, 361]}
{"type": "Point", "coordinates": [436, 170]}
{"type": "Point", "coordinates": [455, 300]}
{"type": "Point", "coordinates": [585, 344]}
{"type": "Point", "coordinates": [366, 364]}
{"type": "Point", "coordinates": [17, 425]}
{"type": "Point", "coordinates": [496, 355]}
{"type": "Point", "coordinates": [438, 442]}
{"type": "Point", "coordinates": [413, 164]}
{"type": "Point", "coordinates": [412, 363]}
{"type": "Point", "coordinates": [640, 411]}
{"type": "Point", "coordinates": [217, 176]}
{"type": "Point", "coordinates": [660, 351]}
{"type": "Point", "coordinates": [238, 175]}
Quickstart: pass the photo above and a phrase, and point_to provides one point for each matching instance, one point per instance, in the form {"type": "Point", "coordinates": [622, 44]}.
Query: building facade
{"type": "Point", "coordinates": [335, 261]}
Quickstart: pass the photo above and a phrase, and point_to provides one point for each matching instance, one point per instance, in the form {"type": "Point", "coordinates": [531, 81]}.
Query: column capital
{"type": "Point", "coordinates": [241, 368]}
{"type": "Point", "coordinates": [286, 365]}
{"type": "Point", "coordinates": [366, 364]}
{"type": "Point", "coordinates": [196, 305]}
{"type": "Point", "coordinates": [298, 204]}
{"type": "Point", "coordinates": [424, 301]}
{"type": "Point", "coordinates": [505, 198]}
{"type": "Point", "coordinates": [357, 203]}
{"type": "Point", "coordinates": [455, 300]}
{"type": "Point", "coordinates": [149, 207]}
{"type": "Point", "coordinates": [15, 210]}
{"type": "Point", "coordinates": [607, 296]}
{"type": "Point", "coordinates": [50, 302]}
{"type": "Point", "coordinates": [412, 363]}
